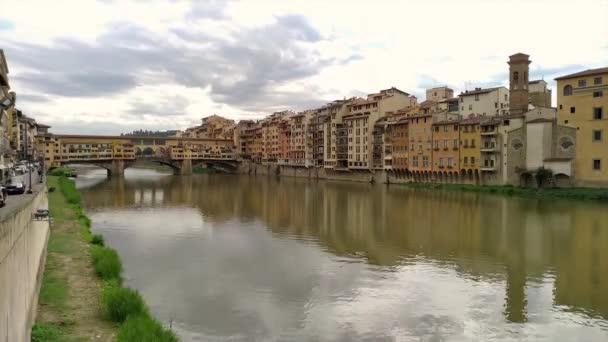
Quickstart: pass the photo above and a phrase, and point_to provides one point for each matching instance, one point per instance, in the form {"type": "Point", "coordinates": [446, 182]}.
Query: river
{"type": "Point", "coordinates": [256, 258]}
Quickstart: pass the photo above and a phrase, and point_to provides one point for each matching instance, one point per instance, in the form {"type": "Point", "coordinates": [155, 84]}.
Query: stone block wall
{"type": "Point", "coordinates": [23, 244]}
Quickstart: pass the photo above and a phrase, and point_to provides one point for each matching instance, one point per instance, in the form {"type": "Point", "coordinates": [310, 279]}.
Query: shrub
{"type": "Point", "coordinates": [97, 239]}
{"type": "Point", "coordinates": [60, 171]}
{"type": "Point", "coordinates": [119, 303]}
{"type": "Point", "coordinates": [106, 263]}
{"type": "Point", "coordinates": [44, 332]}
{"type": "Point", "coordinates": [68, 189]}
{"type": "Point", "coordinates": [144, 328]}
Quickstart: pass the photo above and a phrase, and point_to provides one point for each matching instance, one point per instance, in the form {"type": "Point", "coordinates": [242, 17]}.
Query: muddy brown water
{"type": "Point", "coordinates": [244, 258]}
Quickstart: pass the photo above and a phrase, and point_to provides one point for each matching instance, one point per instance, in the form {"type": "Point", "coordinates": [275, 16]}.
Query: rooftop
{"type": "Point", "coordinates": [588, 72]}
{"type": "Point", "coordinates": [478, 91]}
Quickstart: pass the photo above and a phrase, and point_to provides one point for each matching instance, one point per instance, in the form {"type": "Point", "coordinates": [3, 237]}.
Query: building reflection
{"type": "Point", "coordinates": [494, 238]}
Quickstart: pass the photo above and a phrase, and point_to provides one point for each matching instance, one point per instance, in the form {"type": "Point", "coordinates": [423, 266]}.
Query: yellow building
{"type": "Point", "coordinates": [582, 101]}
{"type": "Point", "coordinates": [470, 155]}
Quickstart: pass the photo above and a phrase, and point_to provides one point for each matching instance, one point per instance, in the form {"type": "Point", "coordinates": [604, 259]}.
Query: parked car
{"type": "Point", "coordinates": [16, 188]}
{"type": "Point", "coordinates": [3, 196]}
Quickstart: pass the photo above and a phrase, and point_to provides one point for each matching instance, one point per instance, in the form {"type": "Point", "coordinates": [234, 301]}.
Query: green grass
{"type": "Point", "coordinates": [69, 191]}
{"type": "Point", "coordinates": [119, 303]}
{"type": "Point", "coordinates": [106, 263]}
{"type": "Point", "coordinates": [566, 193]}
{"type": "Point", "coordinates": [144, 328]}
{"type": "Point", "coordinates": [54, 290]}
{"type": "Point", "coordinates": [60, 171]}
{"type": "Point", "coordinates": [46, 332]}
{"type": "Point", "coordinates": [97, 239]}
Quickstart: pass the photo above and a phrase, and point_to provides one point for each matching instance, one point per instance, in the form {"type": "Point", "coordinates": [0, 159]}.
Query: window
{"type": "Point", "coordinates": [506, 97]}
{"type": "Point", "coordinates": [436, 144]}
{"type": "Point", "coordinates": [567, 90]}
{"type": "Point", "coordinates": [425, 161]}
{"type": "Point", "coordinates": [597, 113]}
{"type": "Point", "coordinates": [472, 160]}
{"type": "Point", "coordinates": [597, 135]}
{"type": "Point", "coordinates": [476, 97]}
{"type": "Point", "coordinates": [470, 107]}
{"type": "Point", "coordinates": [445, 144]}
{"type": "Point", "coordinates": [440, 162]}
{"type": "Point", "coordinates": [582, 83]}
{"type": "Point", "coordinates": [597, 80]}
{"type": "Point", "coordinates": [495, 104]}
{"type": "Point", "coordinates": [560, 106]}
{"type": "Point", "coordinates": [450, 162]}
{"type": "Point", "coordinates": [455, 143]}
{"type": "Point", "coordinates": [466, 160]}
{"type": "Point", "coordinates": [597, 164]}
{"type": "Point", "coordinates": [598, 93]}
{"type": "Point", "coordinates": [472, 142]}
{"type": "Point", "coordinates": [445, 128]}
{"type": "Point", "coordinates": [506, 122]}
{"type": "Point", "coordinates": [515, 76]}
{"type": "Point", "coordinates": [572, 110]}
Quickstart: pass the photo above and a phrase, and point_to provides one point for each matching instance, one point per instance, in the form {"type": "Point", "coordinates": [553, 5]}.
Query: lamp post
{"type": "Point", "coordinates": [28, 161]}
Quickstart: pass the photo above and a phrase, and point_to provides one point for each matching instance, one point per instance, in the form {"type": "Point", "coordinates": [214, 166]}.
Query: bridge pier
{"type": "Point", "coordinates": [185, 169]}
{"type": "Point", "coordinates": [117, 169]}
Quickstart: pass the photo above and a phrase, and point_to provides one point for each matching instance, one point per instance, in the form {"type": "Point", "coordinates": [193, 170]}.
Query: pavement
{"type": "Point", "coordinates": [16, 202]}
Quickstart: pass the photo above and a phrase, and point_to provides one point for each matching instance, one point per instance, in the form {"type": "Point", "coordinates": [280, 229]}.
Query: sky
{"type": "Point", "coordinates": [113, 66]}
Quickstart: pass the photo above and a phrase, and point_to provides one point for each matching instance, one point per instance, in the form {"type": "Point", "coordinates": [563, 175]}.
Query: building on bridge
{"type": "Point", "coordinates": [116, 153]}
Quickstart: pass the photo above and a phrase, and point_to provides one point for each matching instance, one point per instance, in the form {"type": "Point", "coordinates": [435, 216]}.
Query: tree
{"type": "Point", "coordinates": [543, 176]}
{"type": "Point", "coordinates": [148, 151]}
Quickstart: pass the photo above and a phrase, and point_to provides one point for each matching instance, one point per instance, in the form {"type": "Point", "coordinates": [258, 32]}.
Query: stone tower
{"type": "Point", "coordinates": [518, 83]}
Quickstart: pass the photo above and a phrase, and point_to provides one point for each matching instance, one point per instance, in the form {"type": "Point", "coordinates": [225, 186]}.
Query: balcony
{"type": "Point", "coordinates": [488, 131]}
{"type": "Point", "coordinates": [487, 169]}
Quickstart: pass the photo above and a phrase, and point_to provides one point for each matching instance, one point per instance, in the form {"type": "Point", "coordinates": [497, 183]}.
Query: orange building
{"type": "Point", "coordinates": [398, 131]}
{"type": "Point", "coordinates": [446, 138]}
{"type": "Point", "coordinates": [420, 135]}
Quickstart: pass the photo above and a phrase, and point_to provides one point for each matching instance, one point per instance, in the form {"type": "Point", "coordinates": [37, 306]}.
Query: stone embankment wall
{"type": "Point", "coordinates": [23, 244]}
{"type": "Point", "coordinates": [375, 176]}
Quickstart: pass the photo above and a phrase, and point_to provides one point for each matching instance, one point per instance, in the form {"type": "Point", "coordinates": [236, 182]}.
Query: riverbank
{"type": "Point", "coordinates": [81, 296]}
{"type": "Point", "coordinates": [149, 165]}
{"type": "Point", "coordinates": [590, 194]}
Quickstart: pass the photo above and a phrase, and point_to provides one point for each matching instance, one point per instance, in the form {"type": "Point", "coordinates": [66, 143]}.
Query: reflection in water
{"type": "Point", "coordinates": [260, 258]}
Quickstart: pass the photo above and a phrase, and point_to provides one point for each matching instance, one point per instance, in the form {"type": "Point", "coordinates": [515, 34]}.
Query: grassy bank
{"type": "Point", "coordinates": [149, 165]}
{"type": "Point", "coordinates": [81, 297]}
{"type": "Point", "coordinates": [566, 193]}
{"type": "Point", "coordinates": [201, 169]}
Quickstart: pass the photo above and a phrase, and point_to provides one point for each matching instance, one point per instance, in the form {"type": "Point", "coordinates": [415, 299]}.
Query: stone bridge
{"type": "Point", "coordinates": [117, 153]}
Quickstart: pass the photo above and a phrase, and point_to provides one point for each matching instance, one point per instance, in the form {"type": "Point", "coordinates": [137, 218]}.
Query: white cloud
{"type": "Point", "coordinates": [363, 46]}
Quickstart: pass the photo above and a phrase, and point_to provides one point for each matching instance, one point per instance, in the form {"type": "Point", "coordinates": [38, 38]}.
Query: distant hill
{"type": "Point", "coordinates": [146, 133]}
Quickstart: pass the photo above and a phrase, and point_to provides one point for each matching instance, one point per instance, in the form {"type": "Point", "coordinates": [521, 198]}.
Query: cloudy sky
{"type": "Point", "coordinates": [111, 66]}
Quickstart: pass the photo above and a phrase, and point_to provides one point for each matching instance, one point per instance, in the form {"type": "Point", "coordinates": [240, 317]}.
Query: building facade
{"type": "Point", "coordinates": [488, 102]}
{"type": "Point", "coordinates": [582, 100]}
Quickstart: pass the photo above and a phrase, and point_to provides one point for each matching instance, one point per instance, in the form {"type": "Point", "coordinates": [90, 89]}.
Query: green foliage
{"type": "Point", "coordinates": [202, 169]}
{"type": "Point", "coordinates": [53, 291]}
{"type": "Point", "coordinates": [106, 263]}
{"type": "Point", "coordinates": [119, 303]}
{"type": "Point", "coordinates": [60, 171]}
{"type": "Point", "coordinates": [144, 328]}
{"type": "Point", "coordinates": [97, 239]}
{"type": "Point", "coordinates": [148, 151]}
{"type": "Point", "coordinates": [567, 193]}
{"type": "Point", "coordinates": [543, 176]}
{"type": "Point", "coordinates": [46, 332]}
{"type": "Point", "coordinates": [69, 191]}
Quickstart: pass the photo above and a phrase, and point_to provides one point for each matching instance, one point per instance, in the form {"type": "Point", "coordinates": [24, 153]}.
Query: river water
{"type": "Point", "coordinates": [246, 258]}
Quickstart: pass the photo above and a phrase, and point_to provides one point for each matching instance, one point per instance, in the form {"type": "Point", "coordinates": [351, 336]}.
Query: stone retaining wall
{"type": "Point", "coordinates": [23, 244]}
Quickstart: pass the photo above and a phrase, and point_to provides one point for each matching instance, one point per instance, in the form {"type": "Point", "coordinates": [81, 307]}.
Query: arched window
{"type": "Point", "coordinates": [567, 90]}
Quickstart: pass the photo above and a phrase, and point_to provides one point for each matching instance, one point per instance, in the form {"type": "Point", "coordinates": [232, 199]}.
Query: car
{"type": "Point", "coordinates": [3, 196]}
{"type": "Point", "coordinates": [17, 188]}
